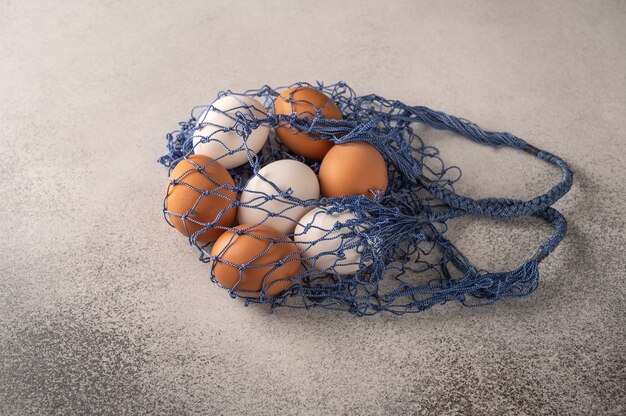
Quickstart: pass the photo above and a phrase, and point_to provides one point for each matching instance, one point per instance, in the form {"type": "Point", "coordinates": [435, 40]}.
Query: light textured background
{"type": "Point", "coordinates": [105, 310]}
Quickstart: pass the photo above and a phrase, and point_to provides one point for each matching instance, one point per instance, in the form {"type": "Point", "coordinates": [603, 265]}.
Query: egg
{"type": "Point", "coordinates": [201, 192]}
{"type": "Point", "coordinates": [278, 212]}
{"type": "Point", "coordinates": [259, 248]}
{"type": "Point", "coordinates": [354, 168]}
{"type": "Point", "coordinates": [305, 102]}
{"type": "Point", "coordinates": [319, 242]}
{"type": "Point", "coordinates": [228, 147]}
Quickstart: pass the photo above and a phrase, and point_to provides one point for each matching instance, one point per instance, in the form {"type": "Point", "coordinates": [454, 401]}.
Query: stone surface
{"type": "Point", "coordinates": [105, 310]}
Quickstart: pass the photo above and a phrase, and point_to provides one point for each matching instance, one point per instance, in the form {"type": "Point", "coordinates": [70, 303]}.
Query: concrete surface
{"type": "Point", "coordinates": [105, 310]}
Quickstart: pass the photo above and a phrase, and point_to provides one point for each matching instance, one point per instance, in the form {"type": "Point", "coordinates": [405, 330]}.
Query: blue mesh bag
{"type": "Point", "coordinates": [364, 254]}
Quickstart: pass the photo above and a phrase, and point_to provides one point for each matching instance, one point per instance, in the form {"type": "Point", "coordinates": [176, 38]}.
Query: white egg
{"type": "Point", "coordinates": [320, 243]}
{"type": "Point", "coordinates": [278, 211]}
{"type": "Point", "coordinates": [211, 140]}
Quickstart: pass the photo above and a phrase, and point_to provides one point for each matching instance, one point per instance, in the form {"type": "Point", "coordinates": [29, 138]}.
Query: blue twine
{"type": "Point", "coordinates": [407, 264]}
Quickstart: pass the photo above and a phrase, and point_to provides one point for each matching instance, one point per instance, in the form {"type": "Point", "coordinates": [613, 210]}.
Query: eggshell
{"type": "Point", "coordinates": [263, 247]}
{"type": "Point", "coordinates": [285, 174]}
{"type": "Point", "coordinates": [211, 140]}
{"type": "Point", "coordinates": [305, 102]}
{"type": "Point", "coordinates": [321, 226]}
{"type": "Point", "coordinates": [354, 168]}
{"type": "Point", "coordinates": [195, 175]}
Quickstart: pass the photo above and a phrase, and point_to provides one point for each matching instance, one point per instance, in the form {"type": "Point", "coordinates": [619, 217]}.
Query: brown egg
{"type": "Point", "coordinates": [306, 102]}
{"type": "Point", "coordinates": [185, 197]}
{"type": "Point", "coordinates": [239, 249]}
{"type": "Point", "coordinates": [352, 169]}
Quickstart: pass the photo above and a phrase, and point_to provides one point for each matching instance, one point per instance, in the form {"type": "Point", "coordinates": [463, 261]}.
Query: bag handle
{"type": "Point", "coordinates": [502, 208]}
{"type": "Point", "coordinates": [489, 286]}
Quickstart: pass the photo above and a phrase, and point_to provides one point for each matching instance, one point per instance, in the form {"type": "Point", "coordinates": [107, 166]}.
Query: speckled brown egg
{"type": "Point", "coordinates": [305, 102]}
{"type": "Point", "coordinates": [355, 168]}
{"type": "Point", "coordinates": [263, 274]}
{"type": "Point", "coordinates": [201, 191]}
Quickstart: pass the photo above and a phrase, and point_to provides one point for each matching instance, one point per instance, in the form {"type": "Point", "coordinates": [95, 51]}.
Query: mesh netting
{"type": "Point", "coordinates": [386, 251]}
